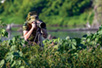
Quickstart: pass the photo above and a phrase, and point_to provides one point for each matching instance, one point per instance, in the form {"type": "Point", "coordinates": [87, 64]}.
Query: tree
{"type": "Point", "coordinates": [98, 12]}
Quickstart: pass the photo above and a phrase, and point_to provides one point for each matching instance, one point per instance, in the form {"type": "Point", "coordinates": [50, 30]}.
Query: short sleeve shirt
{"type": "Point", "coordinates": [33, 37]}
{"type": "Point", "coordinates": [27, 26]}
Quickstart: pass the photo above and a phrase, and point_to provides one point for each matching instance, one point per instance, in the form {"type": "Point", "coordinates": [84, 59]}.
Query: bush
{"type": "Point", "coordinates": [82, 52]}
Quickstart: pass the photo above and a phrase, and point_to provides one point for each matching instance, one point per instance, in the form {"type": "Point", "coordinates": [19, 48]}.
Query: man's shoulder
{"type": "Point", "coordinates": [25, 23]}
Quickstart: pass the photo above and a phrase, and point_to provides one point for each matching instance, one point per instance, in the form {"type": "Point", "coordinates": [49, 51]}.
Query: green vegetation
{"type": "Point", "coordinates": [82, 52]}
{"type": "Point", "coordinates": [76, 52]}
{"type": "Point", "coordinates": [98, 10]}
{"type": "Point", "coordinates": [53, 12]}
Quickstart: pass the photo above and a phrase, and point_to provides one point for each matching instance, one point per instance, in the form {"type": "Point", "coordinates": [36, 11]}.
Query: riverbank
{"type": "Point", "coordinates": [61, 32]}
{"type": "Point", "coordinates": [53, 29]}
{"type": "Point", "coordinates": [75, 29]}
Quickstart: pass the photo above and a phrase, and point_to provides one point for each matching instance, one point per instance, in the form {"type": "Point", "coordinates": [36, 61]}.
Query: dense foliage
{"type": "Point", "coordinates": [60, 12]}
{"type": "Point", "coordinates": [82, 52]}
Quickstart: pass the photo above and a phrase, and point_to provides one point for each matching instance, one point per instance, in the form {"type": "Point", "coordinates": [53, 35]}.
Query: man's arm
{"type": "Point", "coordinates": [27, 34]}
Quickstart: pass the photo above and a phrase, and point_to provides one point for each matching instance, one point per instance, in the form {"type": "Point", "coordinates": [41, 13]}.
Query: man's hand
{"type": "Point", "coordinates": [34, 25]}
{"type": "Point", "coordinates": [28, 33]}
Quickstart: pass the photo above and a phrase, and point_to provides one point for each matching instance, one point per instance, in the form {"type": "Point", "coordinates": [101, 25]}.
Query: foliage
{"type": "Point", "coordinates": [82, 52]}
{"type": "Point", "coordinates": [50, 11]}
{"type": "Point", "coordinates": [97, 10]}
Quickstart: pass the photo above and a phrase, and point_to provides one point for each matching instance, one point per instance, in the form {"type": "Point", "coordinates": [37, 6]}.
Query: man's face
{"type": "Point", "coordinates": [32, 18]}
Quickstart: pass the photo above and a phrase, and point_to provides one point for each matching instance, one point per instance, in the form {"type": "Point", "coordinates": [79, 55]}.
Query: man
{"type": "Point", "coordinates": [34, 29]}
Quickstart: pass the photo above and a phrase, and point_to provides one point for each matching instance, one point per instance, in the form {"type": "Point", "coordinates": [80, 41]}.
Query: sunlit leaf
{"type": "Point", "coordinates": [2, 63]}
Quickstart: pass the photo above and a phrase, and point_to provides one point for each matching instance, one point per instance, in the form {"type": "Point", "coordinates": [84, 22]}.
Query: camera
{"type": "Point", "coordinates": [41, 25]}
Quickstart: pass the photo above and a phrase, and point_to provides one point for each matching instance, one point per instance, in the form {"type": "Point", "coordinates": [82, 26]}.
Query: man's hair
{"type": "Point", "coordinates": [31, 14]}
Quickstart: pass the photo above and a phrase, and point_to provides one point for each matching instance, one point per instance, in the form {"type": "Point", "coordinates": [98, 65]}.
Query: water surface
{"type": "Point", "coordinates": [72, 34]}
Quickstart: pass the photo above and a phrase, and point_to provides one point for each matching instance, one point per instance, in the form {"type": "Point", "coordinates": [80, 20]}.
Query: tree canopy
{"type": "Point", "coordinates": [51, 11]}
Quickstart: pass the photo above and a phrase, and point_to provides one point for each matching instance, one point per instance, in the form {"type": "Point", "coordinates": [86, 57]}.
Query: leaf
{"type": "Point", "coordinates": [4, 33]}
{"type": "Point", "coordinates": [14, 40]}
{"type": "Point", "coordinates": [18, 62]}
{"type": "Point", "coordinates": [14, 63]}
{"type": "Point", "coordinates": [100, 32]}
{"type": "Point", "coordinates": [88, 40]}
{"type": "Point", "coordinates": [21, 54]}
{"type": "Point", "coordinates": [13, 48]}
{"type": "Point", "coordinates": [2, 63]}
{"type": "Point", "coordinates": [67, 38]}
{"type": "Point", "coordinates": [9, 57]}
{"type": "Point", "coordinates": [22, 67]}
{"type": "Point", "coordinates": [3, 30]}
{"type": "Point", "coordinates": [56, 47]}
{"type": "Point", "coordinates": [73, 47]}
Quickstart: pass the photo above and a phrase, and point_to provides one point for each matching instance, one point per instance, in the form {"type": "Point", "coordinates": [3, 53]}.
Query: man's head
{"type": "Point", "coordinates": [32, 16]}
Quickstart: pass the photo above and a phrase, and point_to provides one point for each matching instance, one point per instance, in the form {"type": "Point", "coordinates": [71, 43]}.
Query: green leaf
{"type": "Point", "coordinates": [67, 38]}
{"type": "Point", "coordinates": [100, 32]}
{"type": "Point", "coordinates": [9, 57]}
{"type": "Point", "coordinates": [14, 63]}
{"type": "Point", "coordinates": [13, 48]}
{"type": "Point", "coordinates": [22, 67]}
{"type": "Point", "coordinates": [88, 40]}
{"type": "Point", "coordinates": [18, 62]}
{"type": "Point", "coordinates": [3, 30]}
{"type": "Point", "coordinates": [73, 47]}
{"type": "Point", "coordinates": [2, 63]}
{"type": "Point", "coordinates": [56, 47]}
{"type": "Point", "coordinates": [14, 40]}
